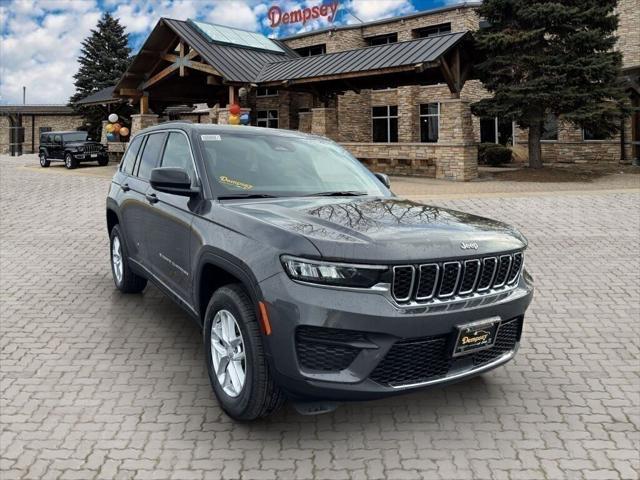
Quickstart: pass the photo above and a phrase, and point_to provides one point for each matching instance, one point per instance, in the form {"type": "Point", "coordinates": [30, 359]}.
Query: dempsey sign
{"type": "Point", "coordinates": [276, 16]}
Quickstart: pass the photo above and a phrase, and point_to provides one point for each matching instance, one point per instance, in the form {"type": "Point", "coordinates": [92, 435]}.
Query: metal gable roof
{"type": "Point", "coordinates": [236, 64]}
{"type": "Point", "coordinates": [398, 54]}
{"type": "Point", "coordinates": [101, 96]}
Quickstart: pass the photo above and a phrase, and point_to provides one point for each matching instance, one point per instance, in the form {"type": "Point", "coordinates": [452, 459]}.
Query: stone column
{"type": "Point", "coordinates": [408, 114]}
{"type": "Point", "coordinates": [103, 134]}
{"type": "Point", "coordinates": [324, 121]}
{"type": "Point", "coordinates": [284, 109]}
{"type": "Point", "coordinates": [304, 122]}
{"type": "Point", "coordinates": [141, 121]}
{"type": "Point", "coordinates": [457, 154]}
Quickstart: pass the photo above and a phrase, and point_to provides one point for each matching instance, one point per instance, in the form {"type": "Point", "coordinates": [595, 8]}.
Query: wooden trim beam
{"type": "Point", "coordinates": [160, 75]}
{"type": "Point", "coordinates": [144, 104]}
{"type": "Point", "coordinates": [130, 92]}
{"type": "Point", "coordinates": [449, 77]}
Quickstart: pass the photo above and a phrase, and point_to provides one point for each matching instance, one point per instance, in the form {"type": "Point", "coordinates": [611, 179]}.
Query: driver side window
{"type": "Point", "coordinates": [177, 154]}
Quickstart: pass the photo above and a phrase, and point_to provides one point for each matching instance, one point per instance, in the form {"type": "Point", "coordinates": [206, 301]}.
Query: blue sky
{"type": "Point", "coordinates": [41, 39]}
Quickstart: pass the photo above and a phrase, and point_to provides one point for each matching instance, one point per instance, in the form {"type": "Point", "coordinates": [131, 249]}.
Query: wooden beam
{"type": "Point", "coordinates": [203, 67]}
{"type": "Point", "coordinates": [144, 104]}
{"type": "Point", "coordinates": [213, 80]}
{"type": "Point", "coordinates": [169, 57]}
{"type": "Point", "coordinates": [130, 92]}
{"type": "Point", "coordinates": [181, 60]}
{"type": "Point", "coordinates": [449, 78]}
{"type": "Point", "coordinates": [159, 76]}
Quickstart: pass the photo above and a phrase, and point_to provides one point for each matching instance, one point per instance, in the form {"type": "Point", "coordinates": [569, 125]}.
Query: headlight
{"type": "Point", "coordinates": [81, 149]}
{"type": "Point", "coordinates": [336, 274]}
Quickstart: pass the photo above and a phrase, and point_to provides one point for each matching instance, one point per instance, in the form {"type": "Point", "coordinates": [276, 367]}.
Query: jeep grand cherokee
{"type": "Point", "coordinates": [310, 279]}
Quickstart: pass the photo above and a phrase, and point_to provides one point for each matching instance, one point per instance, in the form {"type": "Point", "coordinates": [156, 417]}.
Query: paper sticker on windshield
{"type": "Point", "coordinates": [210, 138]}
{"type": "Point", "coordinates": [234, 183]}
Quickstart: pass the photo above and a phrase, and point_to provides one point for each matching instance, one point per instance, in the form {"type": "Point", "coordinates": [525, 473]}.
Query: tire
{"type": "Point", "coordinates": [125, 279]}
{"type": "Point", "coordinates": [70, 162]}
{"type": "Point", "coordinates": [103, 162]}
{"type": "Point", "coordinates": [259, 395]}
{"type": "Point", "coordinates": [44, 163]}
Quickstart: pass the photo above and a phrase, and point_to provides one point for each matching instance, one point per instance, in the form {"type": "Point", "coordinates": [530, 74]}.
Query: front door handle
{"type": "Point", "coordinates": [151, 197]}
{"type": "Point", "coordinates": [125, 187]}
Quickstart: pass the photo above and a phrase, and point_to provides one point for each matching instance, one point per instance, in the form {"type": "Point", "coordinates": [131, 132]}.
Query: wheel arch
{"type": "Point", "coordinates": [216, 269]}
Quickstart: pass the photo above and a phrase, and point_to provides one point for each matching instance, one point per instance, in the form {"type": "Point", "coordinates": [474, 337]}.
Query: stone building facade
{"type": "Point", "coordinates": [33, 120]}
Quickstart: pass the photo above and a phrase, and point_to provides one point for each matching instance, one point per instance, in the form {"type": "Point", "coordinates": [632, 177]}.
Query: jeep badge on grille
{"type": "Point", "coordinates": [469, 246]}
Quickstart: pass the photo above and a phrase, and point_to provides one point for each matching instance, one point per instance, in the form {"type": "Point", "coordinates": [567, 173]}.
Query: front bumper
{"type": "Point", "coordinates": [330, 344]}
{"type": "Point", "coordinates": [88, 156]}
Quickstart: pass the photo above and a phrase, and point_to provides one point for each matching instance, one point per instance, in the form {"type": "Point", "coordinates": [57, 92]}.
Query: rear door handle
{"type": "Point", "coordinates": [125, 187]}
{"type": "Point", "coordinates": [151, 197]}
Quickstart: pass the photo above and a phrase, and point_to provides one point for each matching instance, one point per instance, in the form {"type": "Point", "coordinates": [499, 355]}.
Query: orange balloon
{"type": "Point", "coordinates": [116, 127]}
{"type": "Point", "coordinates": [234, 109]}
{"type": "Point", "coordinates": [124, 131]}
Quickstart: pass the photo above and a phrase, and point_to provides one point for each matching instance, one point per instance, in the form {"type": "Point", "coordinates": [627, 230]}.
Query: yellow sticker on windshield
{"type": "Point", "coordinates": [236, 183]}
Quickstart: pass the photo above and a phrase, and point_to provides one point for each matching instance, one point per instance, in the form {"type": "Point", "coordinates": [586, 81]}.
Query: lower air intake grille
{"type": "Point", "coordinates": [422, 359]}
{"type": "Point", "coordinates": [321, 348]}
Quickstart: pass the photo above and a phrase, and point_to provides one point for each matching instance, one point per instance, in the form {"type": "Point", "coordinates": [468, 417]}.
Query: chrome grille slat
{"type": "Point", "coordinates": [447, 280]}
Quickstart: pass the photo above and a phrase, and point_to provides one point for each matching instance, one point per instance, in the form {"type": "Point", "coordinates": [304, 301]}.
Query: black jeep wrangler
{"type": "Point", "coordinates": [71, 148]}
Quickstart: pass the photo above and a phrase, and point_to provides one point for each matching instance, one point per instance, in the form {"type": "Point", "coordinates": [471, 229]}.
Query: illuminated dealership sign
{"type": "Point", "coordinates": [277, 17]}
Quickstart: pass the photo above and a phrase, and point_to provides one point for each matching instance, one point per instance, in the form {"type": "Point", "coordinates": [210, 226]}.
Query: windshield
{"type": "Point", "coordinates": [269, 165]}
{"type": "Point", "coordinates": [75, 137]}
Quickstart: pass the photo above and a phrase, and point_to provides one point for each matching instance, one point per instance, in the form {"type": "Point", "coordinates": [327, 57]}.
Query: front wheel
{"type": "Point", "coordinates": [103, 162]}
{"type": "Point", "coordinates": [44, 163]}
{"type": "Point", "coordinates": [70, 162]}
{"type": "Point", "coordinates": [236, 362]}
{"type": "Point", "coordinates": [124, 278]}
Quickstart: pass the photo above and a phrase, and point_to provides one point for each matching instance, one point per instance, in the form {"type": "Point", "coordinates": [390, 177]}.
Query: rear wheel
{"type": "Point", "coordinates": [238, 370]}
{"type": "Point", "coordinates": [44, 163]}
{"type": "Point", "coordinates": [125, 279]}
{"type": "Point", "coordinates": [70, 162]}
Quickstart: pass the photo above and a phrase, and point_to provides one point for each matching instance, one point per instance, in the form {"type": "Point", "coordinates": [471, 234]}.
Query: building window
{"type": "Point", "coordinates": [45, 130]}
{"type": "Point", "coordinates": [266, 92]}
{"type": "Point", "coordinates": [382, 39]}
{"type": "Point", "coordinates": [432, 30]}
{"type": "Point", "coordinates": [312, 50]}
{"type": "Point", "coordinates": [385, 123]}
{"type": "Point", "coordinates": [593, 134]}
{"type": "Point", "coordinates": [550, 128]}
{"type": "Point", "coordinates": [496, 130]}
{"type": "Point", "coordinates": [268, 118]}
{"type": "Point", "coordinates": [429, 122]}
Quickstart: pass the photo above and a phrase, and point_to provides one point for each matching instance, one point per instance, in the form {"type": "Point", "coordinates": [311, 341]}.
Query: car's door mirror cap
{"type": "Point", "coordinates": [172, 180]}
{"type": "Point", "coordinates": [384, 179]}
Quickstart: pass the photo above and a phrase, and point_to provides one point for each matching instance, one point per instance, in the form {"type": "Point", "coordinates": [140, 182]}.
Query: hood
{"type": "Point", "coordinates": [81, 143]}
{"type": "Point", "coordinates": [384, 229]}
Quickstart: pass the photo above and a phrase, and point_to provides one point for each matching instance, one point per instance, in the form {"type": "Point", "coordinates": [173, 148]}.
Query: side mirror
{"type": "Point", "coordinates": [172, 180]}
{"type": "Point", "coordinates": [384, 179]}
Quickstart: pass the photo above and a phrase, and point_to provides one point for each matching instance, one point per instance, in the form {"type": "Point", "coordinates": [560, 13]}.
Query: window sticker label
{"type": "Point", "coordinates": [211, 138]}
{"type": "Point", "coordinates": [235, 183]}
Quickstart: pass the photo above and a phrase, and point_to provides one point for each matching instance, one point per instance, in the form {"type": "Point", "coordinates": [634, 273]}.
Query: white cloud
{"type": "Point", "coordinates": [40, 40]}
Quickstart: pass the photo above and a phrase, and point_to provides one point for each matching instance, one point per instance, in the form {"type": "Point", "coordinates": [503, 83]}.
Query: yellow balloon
{"type": "Point", "coordinates": [109, 127]}
{"type": "Point", "coordinates": [124, 131]}
{"type": "Point", "coordinates": [234, 120]}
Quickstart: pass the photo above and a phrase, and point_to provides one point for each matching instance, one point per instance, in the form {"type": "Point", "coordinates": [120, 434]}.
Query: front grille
{"type": "Point", "coordinates": [92, 148]}
{"type": "Point", "coordinates": [423, 359]}
{"type": "Point", "coordinates": [403, 282]}
{"type": "Point", "coordinates": [449, 279]}
{"type": "Point", "coordinates": [325, 349]}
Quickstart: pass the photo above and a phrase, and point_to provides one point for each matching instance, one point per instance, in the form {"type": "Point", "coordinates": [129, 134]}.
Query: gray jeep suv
{"type": "Point", "coordinates": [309, 278]}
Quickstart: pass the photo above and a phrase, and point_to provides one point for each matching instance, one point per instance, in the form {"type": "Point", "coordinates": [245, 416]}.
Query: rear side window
{"type": "Point", "coordinates": [178, 154]}
{"type": "Point", "coordinates": [129, 159]}
{"type": "Point", "coordinates": [151, 155]}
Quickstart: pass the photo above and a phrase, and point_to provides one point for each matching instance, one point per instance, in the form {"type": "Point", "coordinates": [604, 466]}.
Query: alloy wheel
{"type": "Point", "coordinates": [43, 160]}
{"type": "Point", "coordinates": [228, 353]}
{"type": "Point", "coordinates": [116, 259]}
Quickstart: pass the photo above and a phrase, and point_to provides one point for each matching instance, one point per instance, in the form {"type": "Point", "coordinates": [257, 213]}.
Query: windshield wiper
{"type": "Point", "coordinates": [344, 193]}
{"type": "Point", "coordinates": [246, 195]}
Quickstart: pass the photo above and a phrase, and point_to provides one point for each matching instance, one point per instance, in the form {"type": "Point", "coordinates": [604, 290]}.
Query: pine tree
{"type": "Point", "coordinates": [543, 57]}
{"type": "Point", "coordinates": [103, 60]}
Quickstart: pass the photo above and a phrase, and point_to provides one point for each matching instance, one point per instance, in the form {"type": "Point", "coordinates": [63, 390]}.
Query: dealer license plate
{"type": "Point", "coordinates": [94, 155]}
{"type": "Point", "coordinates": [476, 336]}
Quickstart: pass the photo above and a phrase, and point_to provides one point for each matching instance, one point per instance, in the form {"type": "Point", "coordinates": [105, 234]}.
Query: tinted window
{"type": "Point", "coordinates": [57, 138]}
{"type": "Point", "coordinates": [76, 136]}
{"type": "Point", "coordinates": [151, 155]}
{"type": "Point", "coordinates": [178, 154]}
{"type": "Point", "coordinates": [129, 159]}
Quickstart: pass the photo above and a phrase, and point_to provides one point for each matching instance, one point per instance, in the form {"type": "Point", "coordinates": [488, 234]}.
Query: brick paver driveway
{"type": "Point", "coordinates": [95, 384]}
